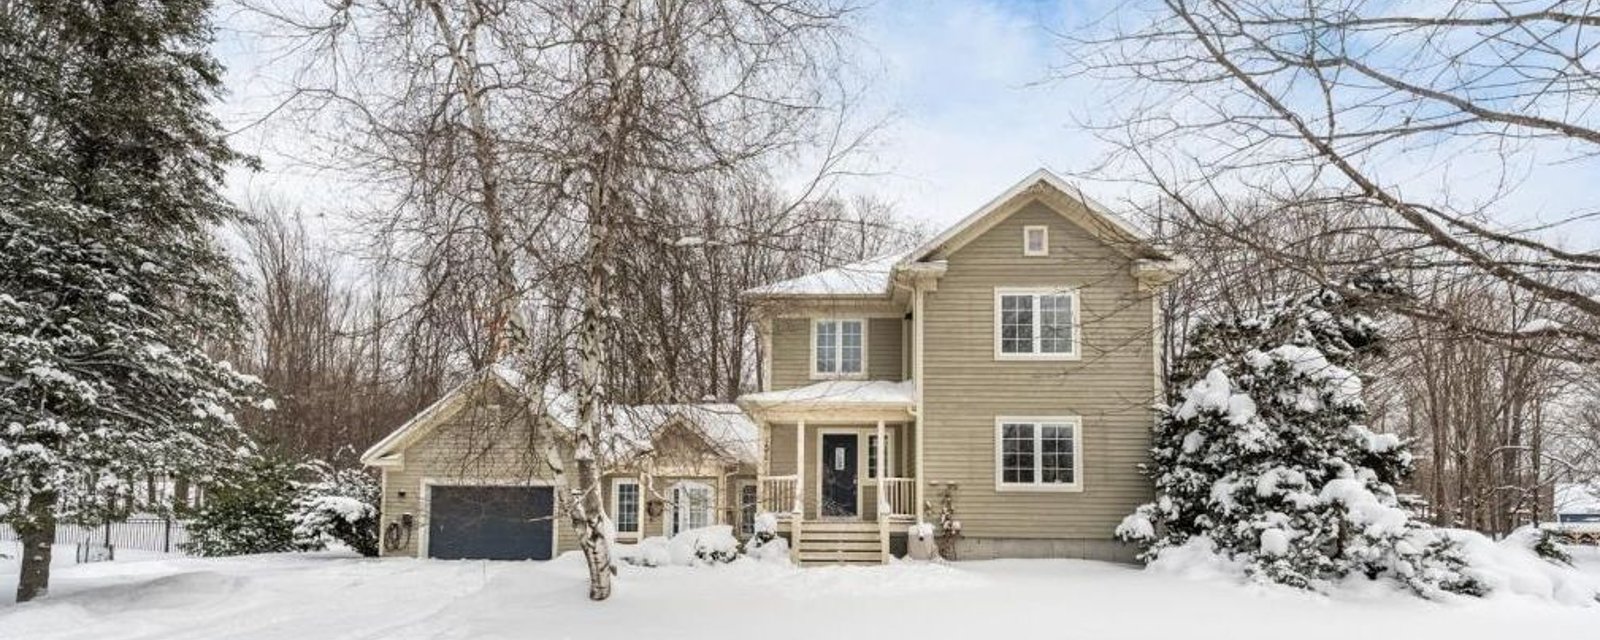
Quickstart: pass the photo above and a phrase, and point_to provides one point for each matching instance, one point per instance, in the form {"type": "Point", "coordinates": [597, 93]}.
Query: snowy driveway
{"type": "Point", "coordinates": [297, 597]}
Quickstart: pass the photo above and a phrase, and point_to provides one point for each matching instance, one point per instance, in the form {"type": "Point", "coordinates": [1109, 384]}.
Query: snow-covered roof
{"type": "Point", "coordinates": [558, 405]}
{"type": "Point", "coordinates": [866, 278]}
{"type": "Point", "coordinates": [840, 393]}
{"type": "Point", "coordinates": [1051, 181]}
{"type": "Point", "coordinates": [875, 277]}
{"type": "Point", "coordinates": [634, 429]}
{"type": "Point", "coordinates": [1577, 498]}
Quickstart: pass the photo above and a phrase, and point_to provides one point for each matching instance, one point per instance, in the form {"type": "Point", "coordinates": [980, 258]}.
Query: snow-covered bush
{"type": "Point", "coordinates": [340, 504]}
{"type": "Point", "coordinates": [649, 552]}
{"type": "Point", "coordinates": [764, 544]}
{"type": "Point", "coordinates": [1543, 542]}
{"type": "Point", "coordinates": [695, 547]}
{"type": "Point", "coordinates": [704, 546]}
{"type": "Point", "coordinates": [245, 512]}
{"type": "Point", "coordinates": [1268, 457]}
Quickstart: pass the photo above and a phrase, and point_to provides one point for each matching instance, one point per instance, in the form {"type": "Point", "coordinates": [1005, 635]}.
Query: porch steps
{"type": "Point", "coordinates": [824, 542]}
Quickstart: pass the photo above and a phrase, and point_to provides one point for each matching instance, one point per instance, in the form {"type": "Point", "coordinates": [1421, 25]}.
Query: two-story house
{"type": "Point", "coordinates": [1005, 369]}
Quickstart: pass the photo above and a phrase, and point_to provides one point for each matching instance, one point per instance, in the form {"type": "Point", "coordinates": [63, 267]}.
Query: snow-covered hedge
{"type": "Point", "coordinates": [695, 547]}
{"type": "Point", "coordinates": [339, 505]}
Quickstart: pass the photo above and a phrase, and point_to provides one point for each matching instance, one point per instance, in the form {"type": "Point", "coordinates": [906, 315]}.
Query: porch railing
{"type": "Point", "coordinates": [900, 496]}
{"type": "Point", "coordinates": [776, 493]}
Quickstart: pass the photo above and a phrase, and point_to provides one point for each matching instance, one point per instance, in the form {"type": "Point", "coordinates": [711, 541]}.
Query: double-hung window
{"type": "Point", "coordinates": [748, 507]}
{"type": "Point", "coordinates": [692, 507]}
{"type": "Point", "coordinates": [1038, 454]}
{"type": "Point", "coordinates": [838, 348]}
{"type": "Point", "coordinates": [1035, 324]}
{"type": "Point", "coordinates": [625, 506]}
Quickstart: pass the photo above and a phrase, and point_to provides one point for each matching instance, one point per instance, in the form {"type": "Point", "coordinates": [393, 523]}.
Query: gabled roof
{"type": "Point", "coordinates": [874, 278]}
{"type": "Point", "coordinates": [559, 406]}
{"type": "Point", "coordinates": [1043, 184]}
{"type": "Point", "coordinates": [634, 428]}
{"type": "Point", "coordinates": [724, 428]}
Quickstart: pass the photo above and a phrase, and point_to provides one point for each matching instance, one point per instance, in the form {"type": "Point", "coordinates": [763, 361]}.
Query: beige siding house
{"type": "Point", "coordinates": [1008, 367]}
{"type": "Point", "coordinates": [1001, 374]}
{"type": "Point", "coordinates": [480, 473]}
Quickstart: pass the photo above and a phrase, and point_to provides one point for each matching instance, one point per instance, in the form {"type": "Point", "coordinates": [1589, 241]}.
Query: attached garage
{"type": "Point", "coordinates": [491, 522]}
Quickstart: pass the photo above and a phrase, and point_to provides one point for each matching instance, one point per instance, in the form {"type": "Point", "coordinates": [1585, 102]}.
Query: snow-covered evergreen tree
{"type": "Point", "coordinates": [247, 510]}
{"type": "Point", "coordinates": [339, 504]}
{"type": "Point", "coordinates": [1268, 457]}
{"type": "Point", "coordinates": [110, 279]}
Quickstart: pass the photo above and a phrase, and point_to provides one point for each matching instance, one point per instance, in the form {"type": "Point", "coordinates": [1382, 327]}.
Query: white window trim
{"type": "Point", "coordinates": [839, 355]}
{"type": "Point", "coordinates": [1045, 246]}
{"type": "Point", "coordinates": [677, 514]}
{"type": "Point", "coordinates": [738, 497]}
{"type": "Point", "coordinates": [866, 444]}
{"type": "Point", "coordinates": [616, 511]}
{"type": "Point", "coordinates": [1077, 338]}
{"type": "Point", "coordinates": [1037, 486]}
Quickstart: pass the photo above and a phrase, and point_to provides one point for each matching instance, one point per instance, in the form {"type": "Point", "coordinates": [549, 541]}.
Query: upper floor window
{"type": "Point", "coordinates": [838, 348]}
{"type": "Point", "coordinates": [1035, 324]}
{"type": "Point", "coordinates": [1038, 454]}
{"type": "Point", "coordinates": [1036, 240]}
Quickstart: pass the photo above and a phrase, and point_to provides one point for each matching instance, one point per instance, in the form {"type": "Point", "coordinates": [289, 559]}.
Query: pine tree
{"type": "Point", "coordinates": [1268, 456]}
{"type": "Point", "coordinates": [247, 510]}
{"type": "Point", "coordinates": [110, 279]}
{"type": "Point", "coordinates": [337, 504]}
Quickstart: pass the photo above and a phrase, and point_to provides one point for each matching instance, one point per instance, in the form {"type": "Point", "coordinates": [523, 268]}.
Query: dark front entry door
{"type": "Point", "coordinates": [839, 474]}
{"type": "Point", "coordinates": [491, 523]}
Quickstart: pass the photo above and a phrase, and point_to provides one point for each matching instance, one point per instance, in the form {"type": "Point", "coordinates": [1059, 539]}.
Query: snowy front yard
{"type": "Point", "coordinates": [334, 596]}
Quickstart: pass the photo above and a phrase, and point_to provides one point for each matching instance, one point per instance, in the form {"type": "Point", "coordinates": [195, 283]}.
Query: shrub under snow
{"type": "Point", "coordinates": [340, 505]}
{"type": "Point", "coordinates": [695, 547]}
{"type": "Point", "coordinates": [1268, 458]}
{"type": "Point", "coordinates": [765, 545]}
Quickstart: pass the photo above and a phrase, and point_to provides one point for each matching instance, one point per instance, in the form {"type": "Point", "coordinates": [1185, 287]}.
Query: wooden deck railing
{"type": "Point", "coordinates": [900, 496]}
{"type": "Point", "coordinates": [777, 493]}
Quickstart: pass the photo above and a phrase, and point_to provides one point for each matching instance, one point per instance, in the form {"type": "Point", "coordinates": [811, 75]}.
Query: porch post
{"type": "Point", "coordinates": [883, 476]}
{"type": "Point", "coordinates": [762, 467]}
{"type": "Point", "coordinates": [799, 469]}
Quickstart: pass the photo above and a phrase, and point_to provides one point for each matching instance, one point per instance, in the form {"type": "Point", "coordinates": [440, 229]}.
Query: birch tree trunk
{"type": "Point", "coordinates": [505, 329]}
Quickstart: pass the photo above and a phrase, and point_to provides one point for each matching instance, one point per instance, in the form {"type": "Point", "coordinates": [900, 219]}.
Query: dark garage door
{"type": "Point", "coordinates": [492, 523]}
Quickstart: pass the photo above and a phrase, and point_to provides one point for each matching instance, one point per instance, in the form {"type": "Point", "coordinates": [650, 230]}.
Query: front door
{"type": "Point", "coordinates": [839, 474]}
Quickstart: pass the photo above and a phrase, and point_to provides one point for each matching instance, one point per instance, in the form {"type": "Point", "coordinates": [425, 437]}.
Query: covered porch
{"type": "Point", "coordinates": [838, 462]}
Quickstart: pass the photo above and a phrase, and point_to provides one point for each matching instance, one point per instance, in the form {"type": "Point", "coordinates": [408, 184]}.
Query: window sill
{"type": "Point", "coordinates": [1039, 488]}
{"type": "Point", "coordinates": [1037, 357]}
{"type": "Point", "coordinates": [838, 376]}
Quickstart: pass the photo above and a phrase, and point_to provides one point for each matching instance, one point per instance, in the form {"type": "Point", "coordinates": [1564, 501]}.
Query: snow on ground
{"type": "Point", "coordinates": [329, 595]}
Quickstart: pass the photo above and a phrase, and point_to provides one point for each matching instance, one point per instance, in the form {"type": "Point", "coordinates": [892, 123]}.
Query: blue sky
{"type": "Point", "coordinates": [955, 76]}
{"type": "Point", "coordinates": [969, 116]}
